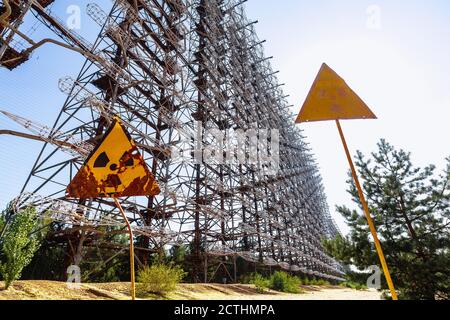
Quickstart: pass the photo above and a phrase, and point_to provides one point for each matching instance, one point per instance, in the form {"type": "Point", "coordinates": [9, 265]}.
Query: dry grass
{"type": "Point", "coordinates": [51, 290]}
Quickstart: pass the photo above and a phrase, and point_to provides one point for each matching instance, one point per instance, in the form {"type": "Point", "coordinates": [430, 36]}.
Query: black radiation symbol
{"type": "Point", "coordinates": [113, 179]}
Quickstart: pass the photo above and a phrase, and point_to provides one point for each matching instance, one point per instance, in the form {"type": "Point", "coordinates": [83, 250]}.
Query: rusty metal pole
{"type": "Point", "coordinates": [130, 232]}
{"type": "Point", "coordinates": [367, 213]}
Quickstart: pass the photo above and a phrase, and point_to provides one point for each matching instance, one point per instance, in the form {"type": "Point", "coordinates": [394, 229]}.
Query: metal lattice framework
{"type": "Point", "coordinates": [163, 66]}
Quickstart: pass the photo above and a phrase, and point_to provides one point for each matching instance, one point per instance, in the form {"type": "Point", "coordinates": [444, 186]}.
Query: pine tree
{"type": "Point", "coordinates": [410, 208]}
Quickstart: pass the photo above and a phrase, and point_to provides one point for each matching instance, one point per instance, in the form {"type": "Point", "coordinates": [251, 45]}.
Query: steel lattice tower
{"type": "Point", "coordinates": [163, 66]}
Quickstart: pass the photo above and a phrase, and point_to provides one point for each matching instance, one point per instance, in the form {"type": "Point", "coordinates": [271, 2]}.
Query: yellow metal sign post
{"type": "Point", "coordinates": [130, 232]}
{"type": "Point", "coordinates": [115, 169]}
{"type": "Point", "coordinates": [330, 98]}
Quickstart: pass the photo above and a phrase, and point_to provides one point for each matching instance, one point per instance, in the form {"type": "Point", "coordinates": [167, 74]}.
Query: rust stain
{"type": "Point", "coordinates": [83, 183]}
{"type": "Point", "coordinates": [114, 169]}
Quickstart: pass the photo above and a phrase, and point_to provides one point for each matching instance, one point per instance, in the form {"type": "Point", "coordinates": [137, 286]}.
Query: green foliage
{"type": "Point", "coordinates": [2, 222]}
{"type": "Point", "coordinates": [322, 282]}
{"type": "Point", "coordinates": [246, 278]}
{"type": "Point", "coordinates": [21, 239]}
{"type": "Point", "coordinates": [353, 285]}
{"type": "Point", "coordinates": [357, 277]}
{"type": "Point", "coordinates": [97, 264]}
{"type": "Point", "coordinates": [261, 283]}
{"type": "Point", "coordinates": [281, 281]}
{"type": "Point", "coordinates": [339, 246]}
{"type": "Point", "coordinates": [249, 277]}
{"type": "Point", "coordinates": [114, 270]}
{"type": "Point", "coordinates": [160, 278]}
{"type": "Point", "coordinates": [411, 209]}
{"type": "Point", "coordinates": [101, 265]}
{"type": "Point", "coordinates": [315, 282]}
{"type": "Point", "coordinates": [284, 282]}
{"type": "Point", "coordinates": [47, 264]}
{"type": "Point", "coordinates": [110, 273]}
{"type": "Point", "coordinates": [178, 254]}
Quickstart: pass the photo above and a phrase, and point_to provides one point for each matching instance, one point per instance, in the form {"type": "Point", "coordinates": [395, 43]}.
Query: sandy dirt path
{"type": "Point", "coordinates": [52, 290]}
{"type": "Point", "coordinates": [248, 292]}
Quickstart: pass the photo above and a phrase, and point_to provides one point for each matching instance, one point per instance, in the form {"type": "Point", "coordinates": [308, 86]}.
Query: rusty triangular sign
{"type": "Point", "coordinates": [330, 98]}
{"type": "Point", "coordinates": [115, 168]}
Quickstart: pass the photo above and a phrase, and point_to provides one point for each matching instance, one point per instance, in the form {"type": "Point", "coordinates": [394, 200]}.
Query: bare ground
{"type": "Point", "coordinates": [52, 290]}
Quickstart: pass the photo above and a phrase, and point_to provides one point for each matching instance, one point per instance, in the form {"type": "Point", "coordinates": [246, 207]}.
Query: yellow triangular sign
{"type": "Point", "coordinates": [330, 98]}
{"type": "Point", "coordinates": [114, 169]}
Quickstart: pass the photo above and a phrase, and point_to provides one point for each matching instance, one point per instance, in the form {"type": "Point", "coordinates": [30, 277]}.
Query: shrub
{"type": "Point", "coordinates": [248, 278]}
{"type": "Point", "coordinates": [322, 282]}
{"type": "Point", "coordinates": [360, 286]}
{"type": "Point", "coordinates": [353, 285]}
{"type": "Point", "coordinates": [19, 243]}
{"type": "Point", "coordinates": [261, 283]}
{"type": "Point", "coordinates": [160, 278]}
{"type": "Point", "coordinates": [281, 281]}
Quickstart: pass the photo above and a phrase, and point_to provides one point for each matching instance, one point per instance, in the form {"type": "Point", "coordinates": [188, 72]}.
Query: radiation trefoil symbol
{"type": "Point", "coordinates": [114, 169]}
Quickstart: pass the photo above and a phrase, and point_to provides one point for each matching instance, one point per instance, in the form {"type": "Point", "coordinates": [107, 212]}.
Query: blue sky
{"type": "Point", "coordinates": [394, 54]}
{"type": "Point", "coordinates": [401, 70]}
